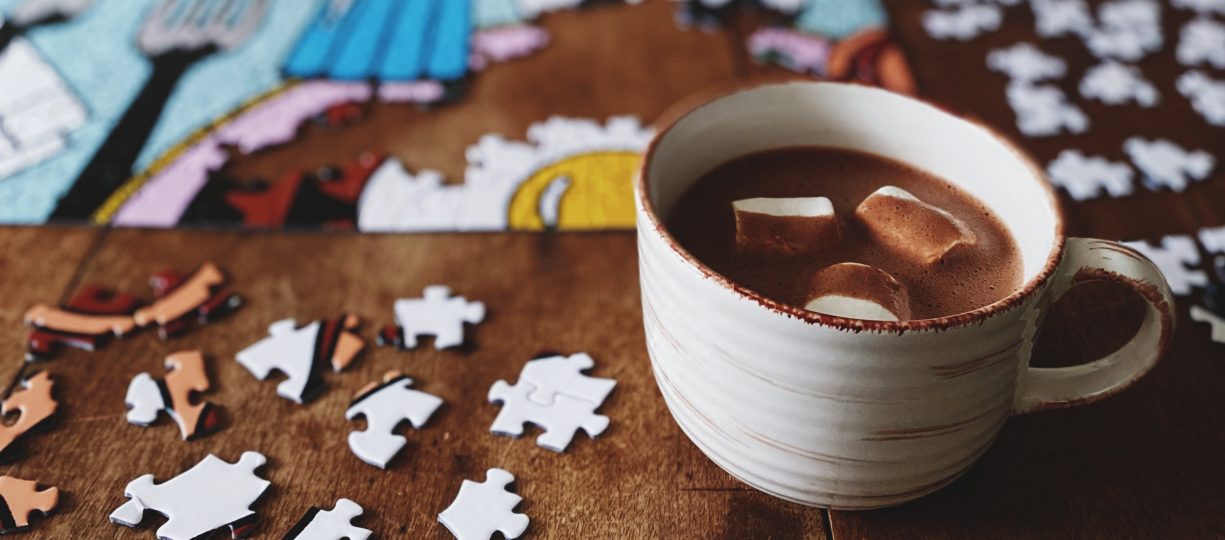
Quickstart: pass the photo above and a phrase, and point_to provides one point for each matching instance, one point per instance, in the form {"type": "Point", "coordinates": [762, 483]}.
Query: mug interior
{"type": "Point", "coordinates": [868, 120]}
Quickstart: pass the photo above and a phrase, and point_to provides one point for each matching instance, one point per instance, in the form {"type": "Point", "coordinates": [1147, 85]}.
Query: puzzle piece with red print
{"type": "Point", "coordinates": [173, 394]}
{"type": "Point", "coordinates": [203, 295]}
{"type": "Point", "coordinates": [303, 354]}
{"type": "Point", "coordinates": [87, 321]}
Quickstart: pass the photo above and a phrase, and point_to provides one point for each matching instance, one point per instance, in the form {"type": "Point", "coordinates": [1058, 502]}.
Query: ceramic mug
{"type": "Point", "coordinates": [855, 414]}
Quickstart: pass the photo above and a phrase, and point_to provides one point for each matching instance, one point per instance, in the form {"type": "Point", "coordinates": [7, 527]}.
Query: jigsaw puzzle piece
{"type": "Point", "coordinates": [91, 316]}
{"type": "Point", "coordinates": [334, 524]}
{"type": "Point", "coordinates": [21, 498]}
{"type": "Point", "coordinates": [1166, 164]}
{"type": "Point", "coordinates": [555, 375]}
{"type": "Point", "coordinates": [1204, 315]}
{"type": "Point", "coordinates": [436, 314]}
{"type": "Point", "coordinates": [147, 396]}
{"type": "Point", "coordinates": [1086, 177]}
{"type": "Point", "coordinates": [484, 508]}
{"type": "Point", "coordinates": [34, 404]}
{"type": "Point", "coordinates": [1173, 258]}
{"type": "Point", "coordinates": [210, 495]}
{"type": "Point", "coordinates": [202, 294]}
{"type": "Point", "coordinates": [385, 406]}
{"type": "Point", "coordinates": [559, 420]}
{"type": "Point", "coordinates": [303, 354]}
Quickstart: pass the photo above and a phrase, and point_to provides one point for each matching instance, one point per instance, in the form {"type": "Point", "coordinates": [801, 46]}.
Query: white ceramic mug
{"type": "Point", "coordinates": [854, 414]}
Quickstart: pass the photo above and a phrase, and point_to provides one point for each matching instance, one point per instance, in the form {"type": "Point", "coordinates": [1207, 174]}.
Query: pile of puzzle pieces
{"type": "Point", "coordinates": [553, 393]}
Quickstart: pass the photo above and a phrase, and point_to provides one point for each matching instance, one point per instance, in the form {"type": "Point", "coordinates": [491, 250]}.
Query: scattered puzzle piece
{"type": "Point", "coordinates": [1207, 95]}
{"type": "Point", "coordinates": [962, 22]}
{"type": "Point", "coordinates": [211, 495]}
{"type": "Point", "coordinates": [1087, 177]}
{"type": "Point", "coordinates": [1127, 30]}
{"type": "Point", "coordinates": [1166, 164]}
{"type": "Point", "coordinates": [20, 499]}
{"type": "Point", "coordinates": [1205, 315]}
{"type": "Point", "coordinates": [33, 403]}
{"type": "Point", "coordinates": [1113, 83]}
{"type": "Point", "coordinates": [436, 314]}
{"type": "Point", "coordinates": [303, 354]}
{"type": "Point", "coordinates": [334, 524]}
{"type": "Point", "coordinates": [1173, 257]}
{"type": "Point", "coordinates": [385, 406]}
{"type": "Point", "coordinates": [148, 396]}
{"type": "Point", "coordinates": [554, 375]}
{"type": "Point", "coordinates": [1213, 239]}
{"type": "Point", "coordinates": [93, 315]}
{"type": "Point", "coordinates": [201, 294]}
{"type": "Point", "coordinates": [1043, 110]}
{"type": "Point", "coordinates": [1201, 6]}
{"type": "Point", "coordinates": [1057, 18]}
{"type": "Point", "coordinates": [483, 508]}
{"type": "Point", "coordinates": [1202, 41]}
{"type": "Point", "coordinates": [1026, 63]}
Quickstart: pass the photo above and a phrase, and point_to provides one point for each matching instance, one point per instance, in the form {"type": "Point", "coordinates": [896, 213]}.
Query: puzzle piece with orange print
{"type": "Point", "coordinates": [147, 396]}
{"type": "Point", "coordinates": [21, 498]}
{"type": "Point", "coordinates": [203, 294]}
{"type": "Point", "coordinates": [90, 318]}
{"type": "Point", "coordinates": [32, 402]}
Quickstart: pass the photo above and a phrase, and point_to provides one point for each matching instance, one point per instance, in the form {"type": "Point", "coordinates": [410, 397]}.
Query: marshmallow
{"type": "Point", "coordinates": [858, 291]}
{"type": "Point", "coordinates": [912, 228]}
{"type": "Point", "coordinates": [785, 226]}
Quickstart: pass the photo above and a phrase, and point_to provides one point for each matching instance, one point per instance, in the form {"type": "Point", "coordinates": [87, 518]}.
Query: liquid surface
{"type": "Point", "coordinates": [704, 224]}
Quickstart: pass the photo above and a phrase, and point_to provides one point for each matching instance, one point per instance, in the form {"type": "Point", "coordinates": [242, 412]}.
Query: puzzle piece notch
{"type": "Point", "coordinates": [21, 498]}
{"type": "Point", "coordinates": [1166, 164]}
{"type": "Point", "coordinates": [91, 317]}
{"type": "Point", "coordinates": [33, 402]}
{"type": "Point", "coordinates": [319, 524]}
{"type": "Point", "coordinates": [385, 406]}
{"type": "Point", "coordinates": [559, 420]}
{"type": "Point", "coordinates": [482, 508]}
{"type": "Point", "coordinates": [202, 294]}
{"type": "Point", "coordinates": [1173, 257]}
{"type": "Point", "coordinates": [174, 395]}
{"type": "Point", "coordinates": [1085, 177]}
{"type": "Point", "coordinates": [210, 495]}
{"type": "Point", "coordinates": [303, 354]}
{"type": "Point", "coordinates": [1205, 315]}
{"type": "Point", "coordinates": [554, 375]}
{"type": "Point", "coordinates": [437, 314]}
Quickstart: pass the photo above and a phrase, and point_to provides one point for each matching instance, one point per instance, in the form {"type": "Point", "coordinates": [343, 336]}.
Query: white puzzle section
{"type": "Point", "coordinates": [1087, 177]}
{"type": "Point", "coordinates": [145, 400]}
{"type": "Point", "coordinates": [437, 314]}
{"type": "Point", "coordinates": [38, 110]}
{"type": "Point", "coordinates": [1126, 30]}
{"type": "Point", "coordinates": [1043, 110]}
{"type": "Point", "coordinates": [331, 524]}
{"type": "Point", "coordinates": [1167, 165]}
{"type": "Point", "coordinates": [484, 508]}
{"type": "Point", "coordinates": [211, 495]}
{"type": "Point", "coordinates": [1202, 7]}
{"type": "Point", "coordinates": [1113, 83]}
{"type": "Point", "coordinates": [1058, 18]}
{"type": "Point", "coordinates": [553, 394]}
{"type": "Point", "coordinates": [1204, 315]}
{"type": "Point", "coordinates": [1024, 62]}
{"type": "Point", "coordinates": [1177, 258]}
{"type": "Point", "coordinates": [1202, 41]}
{"type": "Point", "coordinates": [1207, 95]}
{"type": "Point", "coordinates": [385, 407]}
{"type": "Point", "coordinates": [288, 349]}
{"type": "Point", "coordinates": [962, 22]}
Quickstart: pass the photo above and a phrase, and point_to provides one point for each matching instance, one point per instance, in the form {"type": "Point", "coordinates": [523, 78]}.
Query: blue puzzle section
{"type": "Point", "coordinates": [386, 40]}
{"type": "Point", "coordinates": [837, 19]}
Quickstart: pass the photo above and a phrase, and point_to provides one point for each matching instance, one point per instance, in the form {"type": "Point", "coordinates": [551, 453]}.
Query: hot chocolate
{"type": "Point", "coordinates": [780, 222]}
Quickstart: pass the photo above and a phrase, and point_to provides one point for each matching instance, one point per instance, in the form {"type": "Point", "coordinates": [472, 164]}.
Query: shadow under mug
{"type": "Point", "coordinates": [853, 414]}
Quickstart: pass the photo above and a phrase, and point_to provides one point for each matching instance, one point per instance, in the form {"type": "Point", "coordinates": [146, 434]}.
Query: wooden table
{"type": "Point", "coordinates": [1144, 464]}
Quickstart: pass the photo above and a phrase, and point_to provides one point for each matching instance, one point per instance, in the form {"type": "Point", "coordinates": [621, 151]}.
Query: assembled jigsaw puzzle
{"type": "Point", "coordinates": [553, 394]}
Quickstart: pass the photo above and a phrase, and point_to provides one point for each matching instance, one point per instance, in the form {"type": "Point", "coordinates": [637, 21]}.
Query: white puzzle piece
{"type": "Point", "coordinates": [1165, 164]}
{"type": "Point", "coordinates": [1174, 257]}
{"type": "Point", "coordinates": [1057, 18]}
{"type": "Point", "coordinates": [963, 22]}
{"type": "Point", "coordinates": [1201, 6]}
{"type": "Point", "coordinates": [437, 314]}
{"type": "Point", "coordinates": [303, 354]}
{"type": "Point", "coordinates": [483, 508]}
{"type": "Point", "coordinates": [385, 406]}
{"type": "Point", "coordinates": [333, 524]}
{"type": "Point", "coordinates": [1213, 239]}
{"type": "Point", "coordinates": [1043, 110]}
{"type": "Point", "coordinates": [1207, 95]}
{"type": "Point", "coordinates": [1113, 83]}
{"type": "Point", "coordinates": [559, 420]}
{"type": "Point", "coordinates": [1127, 30]}
{"type": "Point", "coordinates": [1088, 177]}
{"type": "Point", "coordinates": [1202, 41]}
{"type": "Point", "coordinates": [211, 495]}
{"type": "Point", "coordinates": [1026, 63]}
{"type": "Point", "coordinates": [556, 375]}
{"type": "Point", "coordinates": [1205, 315]}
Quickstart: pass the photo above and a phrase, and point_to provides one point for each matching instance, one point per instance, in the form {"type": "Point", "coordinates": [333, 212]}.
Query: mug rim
{"type": "Point", "coordinates": [686, 107]}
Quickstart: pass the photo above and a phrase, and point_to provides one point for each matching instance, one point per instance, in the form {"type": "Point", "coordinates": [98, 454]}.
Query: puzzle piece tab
{"type": "Point", "coordinates": [33, 403]}
{"type": "Point", "coordinates": [1166, 164]}
{"type": "Point", "coordinates": [21, 498]}
{"type": "Point", "coordinates": [334, 524]}
{"type": "Point", "coordinates": [483, 508]}
{"type": "Point", "coordinates": [554, 375]}
{"type": "Point", "coordinates": [1087, 177]}
{"type": "Point", "coordinates": [211, 495]}
{"type": "Point", "coordinates": [91, 317]}
{"type": "Point", "coordinates": [385, 406]}
{"type": "Point", "coordinates": [148, 396]}
{"type": "Point", "coordinates": [436, 314]}
{"type": "Point", "coordinates": [303, 354]}
{"type": "Point", "coordinates": [202, 295]}
{"type": "Point", "coordinates": [1173, 257]}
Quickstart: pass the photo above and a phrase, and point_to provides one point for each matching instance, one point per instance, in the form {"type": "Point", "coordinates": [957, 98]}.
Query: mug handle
{"type": "Point", "coordinates": [1085, 260]}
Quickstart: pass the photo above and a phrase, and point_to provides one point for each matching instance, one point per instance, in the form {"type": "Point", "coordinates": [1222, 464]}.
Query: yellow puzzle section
{"type": "Point", "coordinates": [600, 194]}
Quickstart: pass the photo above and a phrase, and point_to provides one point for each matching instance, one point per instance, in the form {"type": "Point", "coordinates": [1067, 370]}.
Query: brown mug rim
{"type": "Point", "coordinates": [691, 105]}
